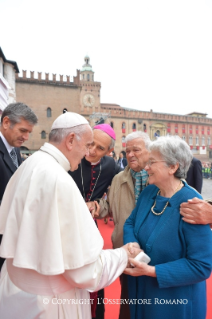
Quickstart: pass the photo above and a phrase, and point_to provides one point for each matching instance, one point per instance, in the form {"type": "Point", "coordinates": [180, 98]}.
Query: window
{"type": "Point", "coordinates": [144, 127]}
{"type": "Point", "coordinates": [43, 134]}
{"type": "Point", "coordinates": [176, 128]}
{"type": "Point", "coordinates": [123, 127]}
{"type": "Point", "coordinates": [203, 140]}
{"type": "Point", "coordinates": [183, 138]}
{"type": "Point", "coordinates": [209, 141]}
{"type": "Point", "coordinates": [168, 128]}
{"type": "Point", "coordinates": [202, 129]}
{"type": "Point", "coordinates": [190, 129]}
{"type": "Point", "coordinates": [197, 140]}
{"type": "Point", "coordinates": [197, 130]}
{"type": "Point", "coordinates": [190, 140]}
{"type": "Point", "coordinates": [183, 128]}
{"type": "Point", "coordinates": [49, 112]}
{"type": "Point", "coordinates": [123, 141]}
{"type": "Point", "coordinates": [88, 77]}
{"type": "Point", "coordinates": [134, 127]}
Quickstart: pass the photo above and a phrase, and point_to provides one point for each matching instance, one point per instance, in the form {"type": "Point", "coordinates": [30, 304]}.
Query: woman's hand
{"type": "Point", "coordinates": [140, 269]}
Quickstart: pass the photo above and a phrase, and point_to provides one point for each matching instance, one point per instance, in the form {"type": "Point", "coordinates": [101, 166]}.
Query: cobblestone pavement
{"type": "Point", "coordinates": [207, 188]}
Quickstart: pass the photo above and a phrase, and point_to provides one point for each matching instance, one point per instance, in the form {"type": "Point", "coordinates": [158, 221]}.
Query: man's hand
{"type": "Point", "coordinates": [94, 208]}
{"type": "Point", "coordinates": [132, 249]}
{"type": "Point", "coordinates": [140, 269]}
{"type": "Point", "coordinates": [196, 211]}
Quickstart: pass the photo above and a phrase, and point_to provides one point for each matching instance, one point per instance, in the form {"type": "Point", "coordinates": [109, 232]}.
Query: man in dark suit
{"type": "Point", "coordinates": [194, 175]}
{"type": "Point", "coordinates": [122, 161]}
{"type": "Point", "coordinates": [17, 122]}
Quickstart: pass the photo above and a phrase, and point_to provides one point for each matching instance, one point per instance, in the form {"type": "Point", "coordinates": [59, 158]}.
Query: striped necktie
{"type": "Point", "coordinates": [13, 155]}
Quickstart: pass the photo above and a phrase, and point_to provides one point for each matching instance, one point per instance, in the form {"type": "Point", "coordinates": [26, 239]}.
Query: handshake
{"type": "Point", "coordinates": [138, 261]}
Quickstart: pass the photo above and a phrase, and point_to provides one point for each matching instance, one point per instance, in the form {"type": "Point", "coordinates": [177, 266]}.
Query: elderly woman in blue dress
{"type": "Point", "coordinates": [172, 285]}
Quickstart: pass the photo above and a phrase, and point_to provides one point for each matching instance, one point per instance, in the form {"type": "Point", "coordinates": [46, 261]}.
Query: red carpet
{"type": "Point", "coordinates": [113, 291]}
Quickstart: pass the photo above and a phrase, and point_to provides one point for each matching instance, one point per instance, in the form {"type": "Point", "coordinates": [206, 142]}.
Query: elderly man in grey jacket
{"type": "Point", "coordinates": [123, 194]}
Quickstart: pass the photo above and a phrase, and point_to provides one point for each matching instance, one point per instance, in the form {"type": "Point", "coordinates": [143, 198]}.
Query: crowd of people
{"type": "Point", "coordinates": [207, 170]}
{"type": "Point", "coordinates": [55, 264]}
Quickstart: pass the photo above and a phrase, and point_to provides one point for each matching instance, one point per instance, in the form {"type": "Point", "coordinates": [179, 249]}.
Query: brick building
{"type": "Point", "coordinates": [49, 96]}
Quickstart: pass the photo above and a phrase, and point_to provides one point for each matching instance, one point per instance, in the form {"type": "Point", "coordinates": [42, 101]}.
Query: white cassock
{"type": "Point", "coordinates": [52, 245]}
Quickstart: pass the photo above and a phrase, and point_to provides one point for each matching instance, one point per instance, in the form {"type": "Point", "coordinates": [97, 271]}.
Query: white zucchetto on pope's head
{"type": "Point", "coordinates": [68, 120]}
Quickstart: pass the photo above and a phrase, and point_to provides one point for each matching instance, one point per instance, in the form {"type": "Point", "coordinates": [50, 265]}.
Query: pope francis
{"type": "Point", "coordinates": [52, 246]}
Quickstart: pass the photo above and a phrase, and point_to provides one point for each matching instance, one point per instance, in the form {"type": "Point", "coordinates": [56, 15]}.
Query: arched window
{"type": "Point", "coordinates": [88, 77]}
{"type": "Point", "coordinates": [183, 138]}
{"type": "Point", "coordinates": [190, 140]}
{"type": "Point", "coordinates": [134, 127]}
{"type": "Point", "coordinates": [111, 124]}
{"type": "Point", "coordinates": [43, 134]}
{"type": "Point", "coordinates": [49, 112]}
{"type": "Point", "coordinates": [144, 127]}
{"type": "Point", "coordinates": [123, 127]}
{"type": "Point", "coordinates": [65, 110]}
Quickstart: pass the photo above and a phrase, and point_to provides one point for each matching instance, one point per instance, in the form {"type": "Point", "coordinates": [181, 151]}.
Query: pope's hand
{"type": "Point", "coordinates": [132, 249]}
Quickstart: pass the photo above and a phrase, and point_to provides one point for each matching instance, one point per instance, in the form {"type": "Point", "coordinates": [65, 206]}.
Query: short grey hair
{"type": "Point", "coordinates": [18, 111]}
{"type": "Point", "coordinates": [174, 150]}
{"type": "Point", "coordinates": [112, 143]}
{"type": "Point", "coordinates": [139, 134]}
{"type": "Point", "coordinates": [57, 135]}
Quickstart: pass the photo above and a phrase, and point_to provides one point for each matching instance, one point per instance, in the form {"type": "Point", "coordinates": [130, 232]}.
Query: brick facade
{"type": "Point", "coordinates": [83, 96]}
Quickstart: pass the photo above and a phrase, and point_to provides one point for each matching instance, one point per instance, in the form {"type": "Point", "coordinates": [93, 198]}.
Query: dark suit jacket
{"type": "Point", "coordinates": [194, 175]}
{"type": "Point", "coordinates": [124, 161]}
{"type": "Point", "coordinates": [7, 168]}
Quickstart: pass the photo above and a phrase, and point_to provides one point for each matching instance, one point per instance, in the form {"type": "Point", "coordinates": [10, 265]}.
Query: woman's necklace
{"type": "Point", "coordinates": [100, 170]}
{"type": "Point", "coordinates": [152, 209]}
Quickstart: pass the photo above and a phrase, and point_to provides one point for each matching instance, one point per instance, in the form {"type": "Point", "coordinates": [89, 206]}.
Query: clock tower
{"type": "Point", "coordinates": [90, 93]}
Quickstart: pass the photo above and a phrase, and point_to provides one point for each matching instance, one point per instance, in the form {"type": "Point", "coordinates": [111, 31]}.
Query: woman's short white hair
{"type": "Point", "coordinates": [139, 134]}
{"type": "Point", "coordinates": [174, 150]}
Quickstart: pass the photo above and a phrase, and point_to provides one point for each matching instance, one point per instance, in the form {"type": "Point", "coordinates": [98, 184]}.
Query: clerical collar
{"type": "Point", "coordinates": [87, 197]}
{"type": "Point", "coordinates": [96, 163]}
{"type": "Point", "coordinates": [57, 154]}
{"type": "Point", "coordinates": [7, 145]}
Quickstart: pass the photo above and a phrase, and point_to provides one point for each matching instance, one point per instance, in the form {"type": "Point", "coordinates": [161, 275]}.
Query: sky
{"type": "Point", "coordinates": [147, 54]}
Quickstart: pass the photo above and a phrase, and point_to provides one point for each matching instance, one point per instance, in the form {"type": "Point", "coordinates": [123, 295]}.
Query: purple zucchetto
{"type": "Point", "coordinates": [107, 129]}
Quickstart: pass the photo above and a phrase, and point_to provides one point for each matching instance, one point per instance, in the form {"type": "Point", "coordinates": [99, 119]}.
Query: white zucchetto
{"type": "Point", "coordinates": [68, 120]}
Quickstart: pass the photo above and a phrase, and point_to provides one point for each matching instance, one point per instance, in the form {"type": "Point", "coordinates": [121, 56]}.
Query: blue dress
{"type": "Point", "coordinates": [180, 252]}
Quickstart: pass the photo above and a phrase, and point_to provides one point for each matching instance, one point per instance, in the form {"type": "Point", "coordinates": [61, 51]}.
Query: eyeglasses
{"type": "Point", "coordinates": [150, 163]}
